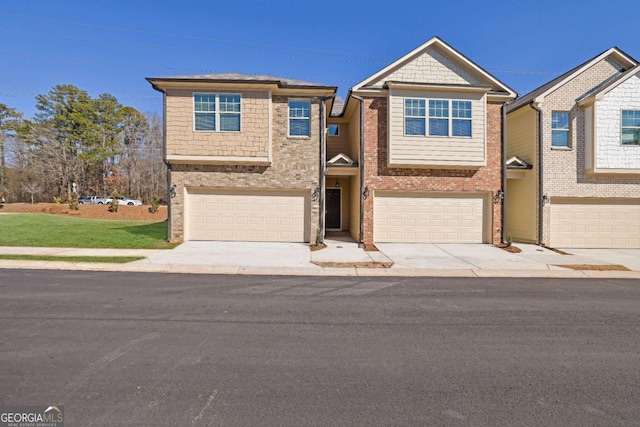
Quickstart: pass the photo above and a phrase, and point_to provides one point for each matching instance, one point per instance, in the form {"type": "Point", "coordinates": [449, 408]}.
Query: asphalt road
{"type": "Point", "coordinates": [120, 349]}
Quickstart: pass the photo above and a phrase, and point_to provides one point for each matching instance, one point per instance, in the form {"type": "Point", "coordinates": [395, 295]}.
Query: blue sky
{"type": "Point", "coordinates": [110, 46]}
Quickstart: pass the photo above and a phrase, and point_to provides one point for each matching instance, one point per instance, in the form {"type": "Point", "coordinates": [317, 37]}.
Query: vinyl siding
{"type": "Point", "coordinates": [521, 221]}
{"type": "Point", "coordinates": [338, 144]}
{"type": "Point", "coordinates": [428, 151]}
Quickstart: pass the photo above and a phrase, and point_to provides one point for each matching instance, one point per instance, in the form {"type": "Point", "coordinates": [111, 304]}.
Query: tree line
{"type": "Point", "coordinates": [79, 144]}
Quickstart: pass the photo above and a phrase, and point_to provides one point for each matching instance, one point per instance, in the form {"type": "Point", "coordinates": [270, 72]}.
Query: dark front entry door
{"type": "Point", "coordinates": [332, 213]}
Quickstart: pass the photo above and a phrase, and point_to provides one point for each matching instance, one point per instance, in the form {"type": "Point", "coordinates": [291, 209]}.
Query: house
{"type": "Point", "coordinates": [244, 155]}
{"type": "Point", "coordinates": [414, 154]}
{"type": "Point", "coordinates": [579, 135]}
{"type": "Point", "coordinates": [429, 128]}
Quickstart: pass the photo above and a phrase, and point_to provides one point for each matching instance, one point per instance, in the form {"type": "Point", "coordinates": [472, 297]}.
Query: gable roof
{"type": "Point", "coordinates": [551, 86]}
{"type": "Point", "coordinates": [450, 51]}
{"type": "Point", "coordinates": [599, 92]}
{"type": "Point", "coordinates": [241, 78]}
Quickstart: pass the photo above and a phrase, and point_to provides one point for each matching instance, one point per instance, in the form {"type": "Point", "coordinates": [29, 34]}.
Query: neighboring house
{"type": "Point", "coordinates": [574, 158]}
{"type": "Point", "coordinates": [427, 134]}
{"type": "Point", "coordinates": [243, 155]}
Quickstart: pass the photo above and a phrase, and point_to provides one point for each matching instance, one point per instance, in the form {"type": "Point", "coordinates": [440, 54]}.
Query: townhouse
{"type": "Point", "coordinates": [417, 152]}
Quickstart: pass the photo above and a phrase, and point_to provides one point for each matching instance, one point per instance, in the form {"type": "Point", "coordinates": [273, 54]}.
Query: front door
{"type": "Point", "coordinates": [333, 208]}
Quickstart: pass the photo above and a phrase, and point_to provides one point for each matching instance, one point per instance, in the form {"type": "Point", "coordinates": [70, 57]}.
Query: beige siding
{"type": "Point", "coordinates": [251, 141]}
{"type": "Point", "coordinates": [521, 221]}
{"type": "Point", "coordinates": [354, 135]}
{"type": "Point", "coordinates": [354, 207]}
{"type": "Point", "coordinates": [338, 144]}
{"type": "Point", "coordinates": [436, 151]}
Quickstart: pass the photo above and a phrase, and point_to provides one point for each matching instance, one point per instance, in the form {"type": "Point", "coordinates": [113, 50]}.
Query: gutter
{"type": "Point", "coordinates": [361, 170]}
{"type": "Point", "coordinates": [323, 170]}
{"type": "Point", "coordinates": [503, 208]}
{"type": "Point", "coordinates": [541, 197]}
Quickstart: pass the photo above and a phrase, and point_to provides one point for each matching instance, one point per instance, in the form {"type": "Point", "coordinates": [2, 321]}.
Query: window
{"type": "Point", "coordinates": [217, 112]}
{"type": "Point", "coordinates": [438, 117]}
{"type": "Point", "coordinates": [461, 122]}
{"type": "Point", "coordinates": [334, 130]}
{"type": "Point", "coordinates": [630, 127]}
{"type": "Point", "coordinates": [559, 129]}
{"type": "Point", "coordinates": [448, 118]}
{"type": "Point", "coordinates": [299, 118]}
{"type": "Point", "coordinates": [414, 117]}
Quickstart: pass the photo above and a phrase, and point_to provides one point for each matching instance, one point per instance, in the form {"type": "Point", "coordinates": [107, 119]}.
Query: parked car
{"type": "Point", "coordinates": [125, 201]}
{"type": "Point", "coordinates": [93, 200]}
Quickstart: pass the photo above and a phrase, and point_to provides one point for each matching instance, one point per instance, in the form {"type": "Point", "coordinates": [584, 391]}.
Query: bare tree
{"type": "Point", "coordinates": [32, 188]}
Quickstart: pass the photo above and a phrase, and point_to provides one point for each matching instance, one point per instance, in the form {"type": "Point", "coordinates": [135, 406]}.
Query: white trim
{"type": "Point", "coordinates": [217, 160]}
{"type": "Point", "coordinates": [582, 69]}
{"type": "Point", "coordinates": [298, 118]}
{"type": "Point", "coordinates": [433, 41]}
{"type": "Point", "coordinates": [341, 156]}
{"type": "Point", "coordinates": [217, 112]}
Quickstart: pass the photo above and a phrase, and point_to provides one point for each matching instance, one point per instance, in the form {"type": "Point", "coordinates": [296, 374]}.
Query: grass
{"type": "Point", "coordinates": [105, 259]}
{"type": "Point", "coordinates": [46, 230]}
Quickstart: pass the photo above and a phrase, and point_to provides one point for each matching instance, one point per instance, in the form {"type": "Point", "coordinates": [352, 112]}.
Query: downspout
{"type": "Point", "coordinates": [323, 170]}
{"type": "Point", "coordinates": [541, 198]}
{"type": "Point", "coordinates": [361, 171]}
{"type": "Point", "coordinates": [503, 208]}
{"type": "Point", "coordinates": [164, 157]}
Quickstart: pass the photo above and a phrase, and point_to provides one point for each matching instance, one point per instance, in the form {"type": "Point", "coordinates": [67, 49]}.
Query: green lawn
{"type": "Point", "coordinates": [46, 230]}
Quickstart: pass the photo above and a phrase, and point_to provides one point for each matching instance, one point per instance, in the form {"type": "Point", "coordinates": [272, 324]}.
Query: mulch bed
{"type": "Point", "coordinates": [139, 213]}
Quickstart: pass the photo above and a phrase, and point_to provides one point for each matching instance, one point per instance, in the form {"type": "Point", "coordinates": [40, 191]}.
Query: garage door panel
{"type": "Point", "coordinates": [428, 218]}
{"type": "Point", "coordinates": [264, 216]}
{"type": "Point", "coordinates": [594, 225]}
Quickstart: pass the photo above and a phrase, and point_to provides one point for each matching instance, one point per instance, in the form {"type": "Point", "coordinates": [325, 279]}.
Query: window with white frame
{"type": "Point", "coordinates": [414, 117]}
{"type": "Point", "coordinates": [299, 118]}
{"type": "Point", "coordinates": [333, 130]}
{"type": "Point", "coordinates": [630, 127]}
{"type": "Point", "coordinates": [560, 129]}
{"type": "Point", "coordinates": [447, 118]}
{"type": "Point", "coordinates": [217, 112]}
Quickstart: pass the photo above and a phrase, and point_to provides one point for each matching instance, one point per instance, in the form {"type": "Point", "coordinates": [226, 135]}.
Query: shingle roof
{"type": "Point", "coordinates": [525, 99]}
{"type": "Point", "coordinates": [238, 77]}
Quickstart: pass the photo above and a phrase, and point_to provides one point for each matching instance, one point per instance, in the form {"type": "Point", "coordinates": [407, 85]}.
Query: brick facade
{"type": "Point", "coordinates": [295, 166]}
{"type": "Point", "coordinates": [565, 174]}
{"type": "Point", "coordinates": [378, 176]}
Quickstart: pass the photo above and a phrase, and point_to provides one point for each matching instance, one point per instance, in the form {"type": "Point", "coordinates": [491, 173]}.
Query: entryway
{"type": "Point", "coordinates": [333, 210]}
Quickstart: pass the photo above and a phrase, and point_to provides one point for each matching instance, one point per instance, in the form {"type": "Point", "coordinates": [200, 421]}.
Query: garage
{"type": "Point", "coordinates": [251, 216]}
{"type": "Point", "coordinates": [595, 223]}
{"type": "Point", "coordinates": [429, 218]}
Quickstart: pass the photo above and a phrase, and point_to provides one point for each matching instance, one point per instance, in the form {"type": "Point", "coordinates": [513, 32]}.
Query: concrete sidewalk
{"type": "Point", "coordinates": [343, 257]}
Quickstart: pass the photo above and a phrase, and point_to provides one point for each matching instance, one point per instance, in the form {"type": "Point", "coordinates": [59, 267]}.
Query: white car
{"type": "Point", "coordinates": [125, 201]}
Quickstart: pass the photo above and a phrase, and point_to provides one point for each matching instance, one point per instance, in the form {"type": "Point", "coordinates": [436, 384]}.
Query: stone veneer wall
{"type": "Point", "coordinates": [295, 166]}
{"type": "Point", "coordinates": [378, 176]}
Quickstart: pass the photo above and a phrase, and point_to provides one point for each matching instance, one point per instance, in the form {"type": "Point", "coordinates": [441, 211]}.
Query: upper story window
{"type": "Point", "coordinates": [299, 118]}
{"type": "Point", "coordinates": [630, 127]}
{"type": "Point", "coordinates": [217, 112]}
{"type": "Point", "coordinates": [334, 130]}
{"type": "Point", "coordinates": [447, 118]}
{"type": "Point", "coordinates": [560, 129]}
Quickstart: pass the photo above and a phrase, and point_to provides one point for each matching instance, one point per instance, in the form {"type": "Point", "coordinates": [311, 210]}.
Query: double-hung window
{"type": "Point", "coordinates": [446, 117]}
{"type": "Point", "coordinates": [217, 112]}
{"type": "Point", "coordinates": [630, 127]}
{"type": "Point", "coordinates": [560, 129]}
{"type": "Point", "coordinates": [299, 118]}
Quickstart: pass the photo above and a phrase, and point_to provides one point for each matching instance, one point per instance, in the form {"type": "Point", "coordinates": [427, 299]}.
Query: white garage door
{"type": "Point", "coordinates": [257, 216]}
{"type": "Point", "coordinates": [595, 225]}
{"type": "Point", "coordinates": [428, 218]}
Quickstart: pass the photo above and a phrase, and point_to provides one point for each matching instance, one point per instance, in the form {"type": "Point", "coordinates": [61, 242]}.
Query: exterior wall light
{"type": "Point", "coordinates": [365, 193]}
{"type": "Point", "coordinates": [172, 191]}
{"type": "Point", "coordinates": [499, 196]}
{"type": "Point", "coordinates": [315, 194]}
